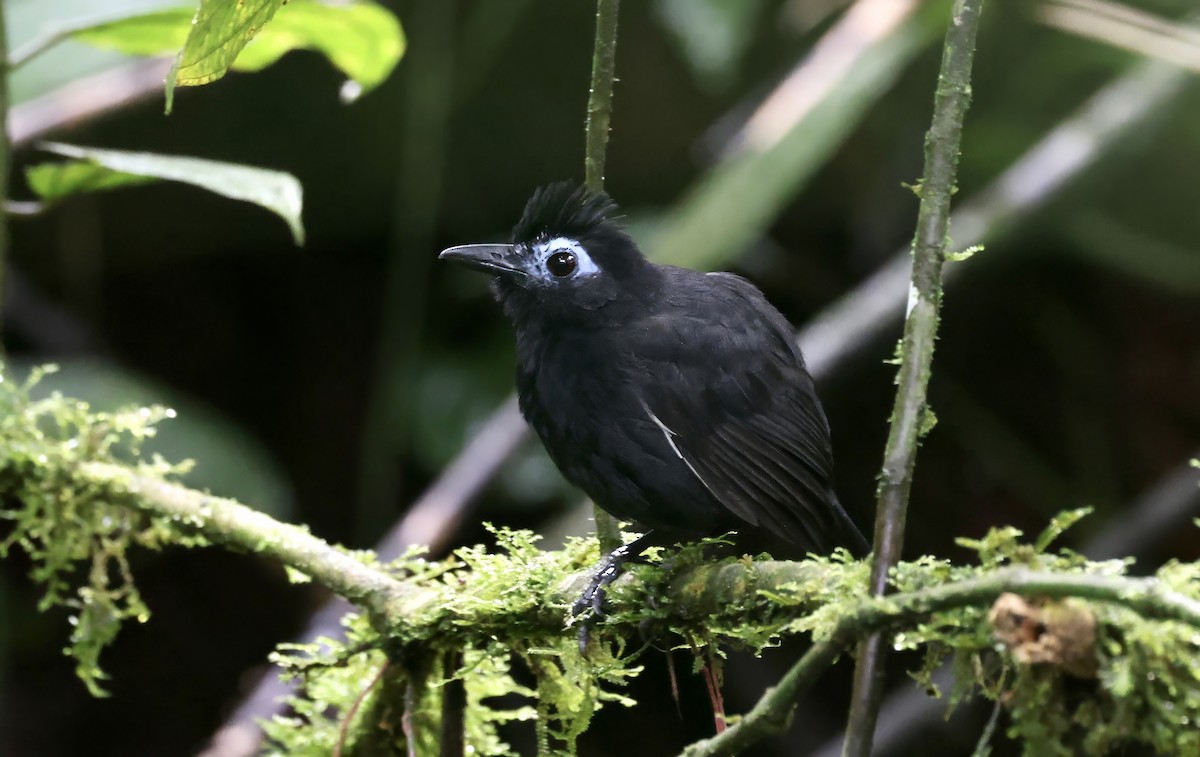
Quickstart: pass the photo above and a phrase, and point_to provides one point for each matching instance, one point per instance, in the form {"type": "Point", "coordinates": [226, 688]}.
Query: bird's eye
{"type": "Point", "coordinates": [562, 264]}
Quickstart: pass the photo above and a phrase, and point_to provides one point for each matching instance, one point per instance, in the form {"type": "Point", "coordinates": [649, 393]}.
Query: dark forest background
{"type": "Point", "coordinates": [330, 384]}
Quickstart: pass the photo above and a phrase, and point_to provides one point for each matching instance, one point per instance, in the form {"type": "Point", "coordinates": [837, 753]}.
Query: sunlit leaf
{"type": "Point", "coordinates": [361, 38]}
{"type": "Point", "coordinates": [44, 55]}
{"type": "Point", "coordinates": [220, 30]}
{"type": "Point", "coordinates": [158, 33]}
{"type": "Point", "coordinates": [95, 169]}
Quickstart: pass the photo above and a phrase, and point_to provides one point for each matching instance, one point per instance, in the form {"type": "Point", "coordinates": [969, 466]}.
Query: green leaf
{"type": "Point", "coordinates": [220, 29]}
{"type": "Point", "coordinates": [53, 181]}
{"type": "Point", "coordinates": [95, 169]}
{"type": "Point", "coordinates": [1058, 525]}
{"type": "Point", "coordinates": [145, 34]}
{"type": "Point", "coordinates": [361, 38]}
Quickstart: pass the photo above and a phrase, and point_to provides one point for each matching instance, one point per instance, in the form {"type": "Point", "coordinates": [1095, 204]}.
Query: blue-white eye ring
{"type": "Point", "coordinates": [563, 258]}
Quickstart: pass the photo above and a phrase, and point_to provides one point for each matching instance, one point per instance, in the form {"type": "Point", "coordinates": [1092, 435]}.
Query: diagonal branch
{"type": "Point", "coordinates": [235, 525]}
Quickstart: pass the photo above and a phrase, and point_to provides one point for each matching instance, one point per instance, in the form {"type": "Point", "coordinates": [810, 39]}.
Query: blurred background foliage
{"type": "Point", "coordinates": [330, 384]}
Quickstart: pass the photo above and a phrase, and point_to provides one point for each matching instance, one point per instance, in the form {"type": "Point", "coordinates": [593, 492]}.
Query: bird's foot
{"type": "Point", "coordinates": [593, 597]}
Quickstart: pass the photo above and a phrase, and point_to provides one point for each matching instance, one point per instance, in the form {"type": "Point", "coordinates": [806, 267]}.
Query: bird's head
{"type": "Point", "coordinates": [567, 258]}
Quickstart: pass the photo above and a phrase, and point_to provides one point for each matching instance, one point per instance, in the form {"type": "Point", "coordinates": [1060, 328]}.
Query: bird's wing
{"type": "Point", "coordinates": [737, 405]}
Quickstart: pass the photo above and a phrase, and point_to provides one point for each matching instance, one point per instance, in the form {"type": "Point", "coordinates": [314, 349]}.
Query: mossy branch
{"type": "Point", "coordinates": [910, 415]}
{"type": "Point", "coordinates": [68, 500]}
{"type": "Point", "coordinates": [772, 713]}
{"type": "Point", "coordinates": [227, 522]}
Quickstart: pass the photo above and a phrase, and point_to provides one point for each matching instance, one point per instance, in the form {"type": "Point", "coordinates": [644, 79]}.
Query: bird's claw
{"type": "Point", "coordinates": [594, 595]}
{"type": "Point", "coordinates": [593, 599]}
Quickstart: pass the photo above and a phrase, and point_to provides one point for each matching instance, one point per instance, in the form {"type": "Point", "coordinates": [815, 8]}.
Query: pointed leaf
{"type": "Point", "coordinates": [95, 169]}
{"type": "Point", "coordinates": [219, 31]}
{"type": "Point", "coordinates": [361, 38]}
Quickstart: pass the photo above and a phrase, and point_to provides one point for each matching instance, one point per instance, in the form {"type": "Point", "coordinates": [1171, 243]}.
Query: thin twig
{"type": "Point", "coordinates": [983, 747]}
{"type": "Point", "coordinates": [600, 98]}
{"type": "Point", "coordinates": [771, 712]}
{"type": "Point", "coordinates": [599, 117]}
{"type": "Point", "coordinates": [952, 97]}
{"type": "Point", "coordinates": [352, 712]}
{"type": "Point", "coordinates": [1061, 158]}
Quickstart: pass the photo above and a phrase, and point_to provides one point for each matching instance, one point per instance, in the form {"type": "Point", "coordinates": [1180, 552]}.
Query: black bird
{"type": "Point", "coordinates": [673, 398]}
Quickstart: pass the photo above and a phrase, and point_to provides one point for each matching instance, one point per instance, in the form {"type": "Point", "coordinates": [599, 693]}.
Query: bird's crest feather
{"type": "Point", "coordinates": [563, 209]}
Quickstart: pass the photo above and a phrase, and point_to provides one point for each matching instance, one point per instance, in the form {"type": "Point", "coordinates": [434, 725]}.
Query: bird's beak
{"type": "Point", "coordinates": [500, 259]}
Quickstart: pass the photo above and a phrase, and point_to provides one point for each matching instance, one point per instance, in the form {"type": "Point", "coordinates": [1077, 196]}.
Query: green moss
{"type": "Point", "coordinates": [493, 617]}
{"type": "Point", "coordinates": [75, 535]}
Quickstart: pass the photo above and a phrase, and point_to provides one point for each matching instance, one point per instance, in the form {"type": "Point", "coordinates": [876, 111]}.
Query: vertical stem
{"type": "Point", "coordinates": [910, 413]}
{"type": "Point", "coordinates": [599, 110]}
{"type": "Point", "coordinates": [4, 161]}
{"type": "Point", "coordinates": [599, 116]}
{"type": "Point", "coordinates": [454, 708]}
{"type": "Point", "coordinates": [418, 665]}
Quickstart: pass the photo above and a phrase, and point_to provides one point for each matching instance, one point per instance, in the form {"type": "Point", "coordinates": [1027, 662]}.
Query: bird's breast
{"type": "Point", "coordinates": [567, 382]}
{"type": "Point", "coordinates": [587, 403]}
